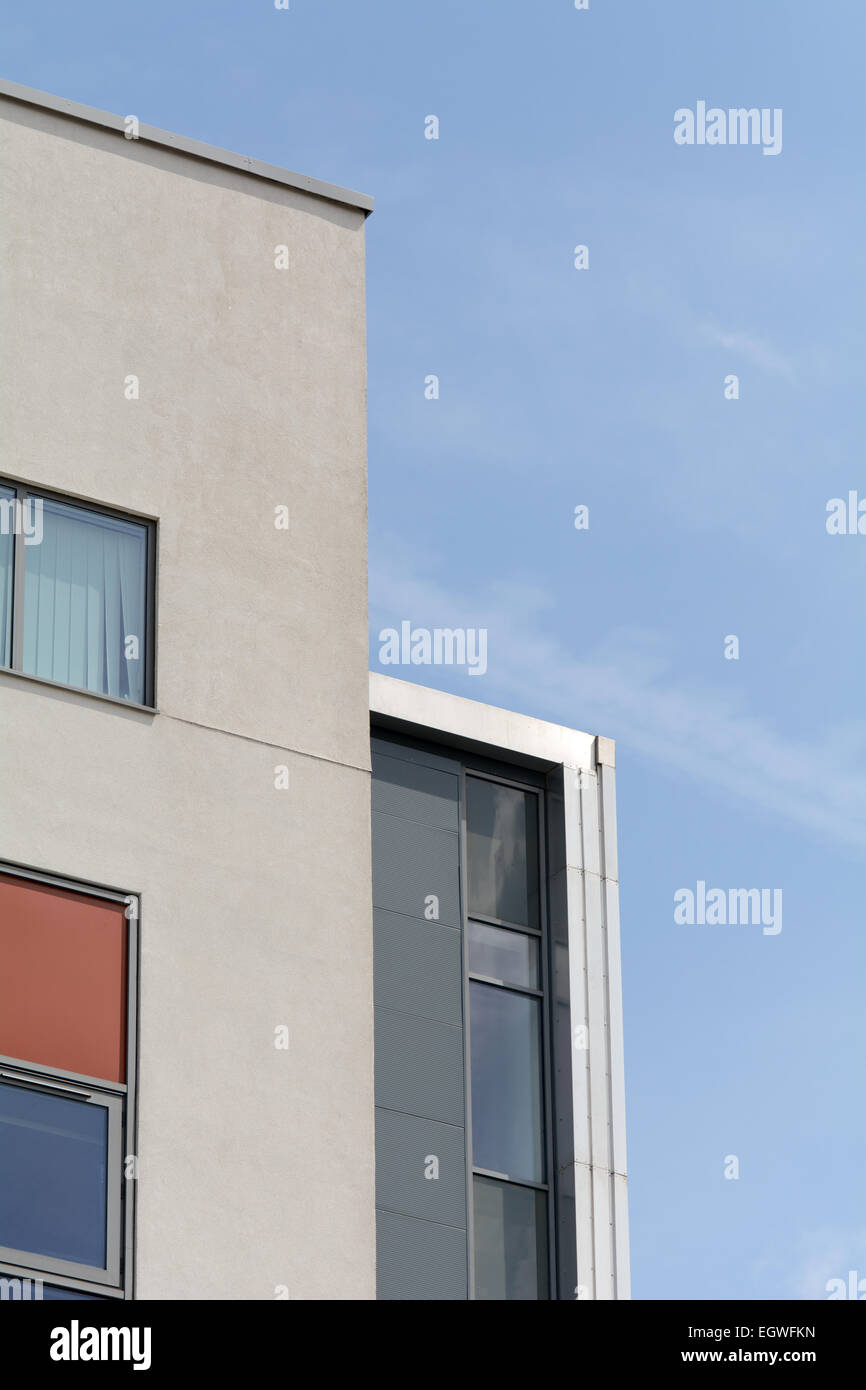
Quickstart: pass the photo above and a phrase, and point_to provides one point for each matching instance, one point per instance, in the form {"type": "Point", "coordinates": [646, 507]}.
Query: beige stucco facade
{"type": "Point", "coordinates": [129, 258]}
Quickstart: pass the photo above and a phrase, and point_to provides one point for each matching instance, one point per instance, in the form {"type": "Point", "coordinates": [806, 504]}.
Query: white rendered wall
{"type": "Point", "coordinates": [120, 258]}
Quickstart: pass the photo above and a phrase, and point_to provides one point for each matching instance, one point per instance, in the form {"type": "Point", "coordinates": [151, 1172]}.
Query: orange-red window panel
{"type": "Point", "coordinates": [63, 963]}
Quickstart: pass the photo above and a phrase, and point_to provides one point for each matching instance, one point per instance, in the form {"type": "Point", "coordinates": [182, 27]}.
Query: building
{"type": "Point", "coordinates": [191, 905]}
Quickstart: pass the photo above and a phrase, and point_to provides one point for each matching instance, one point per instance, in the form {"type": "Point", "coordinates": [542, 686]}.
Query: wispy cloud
{"type": "Point", "coordinates": [750, 348]}
{"type": "Point", "coordinates": [627, 687]}
{"type": "Point", "coordinates": [827, 1254]}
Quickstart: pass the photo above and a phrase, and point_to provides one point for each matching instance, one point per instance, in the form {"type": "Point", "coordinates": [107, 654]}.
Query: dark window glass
{"type": "Point", "coordinates": [85, 601]}
{"type": "Point", "coordinates": [502, 825]}
{"type": "Point", "coordinates": [510, 1241]}
{"type": "Point", "coordinates": [7, 531]}
{"type": "Point", "coordinates": [51, 1291]}
{"type": "Point", "coordinates": [505, 1046]}
{"type": "Point", "coordinates": [53, 1161]}
{"type": "Point", "coordinates": [503, 955]}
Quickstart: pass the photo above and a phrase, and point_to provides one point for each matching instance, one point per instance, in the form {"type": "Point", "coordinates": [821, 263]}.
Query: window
{"type": "Point", "coordinates": [66, 1017]}
{"type": "Point", "coordinates": [7, 504]}
{"type": "Point", "coordinates": [503, 852]}
{"type": "Point", "coordinates": [510, 1138]}
{"type": "Point", "coordinates": [36, 1290]}
{"type": "Point", "coordinates": [76, 594]}
{"type": "Point", "coordinates": [510, 1241]}
{"type": "Point", "coordinates": [506, 1082]}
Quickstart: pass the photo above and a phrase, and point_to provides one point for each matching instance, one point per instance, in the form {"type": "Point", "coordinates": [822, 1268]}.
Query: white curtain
{"type": "Point", "coordinates": [6, 550]}
{"type": "Point", "coordinates": [84, 598]}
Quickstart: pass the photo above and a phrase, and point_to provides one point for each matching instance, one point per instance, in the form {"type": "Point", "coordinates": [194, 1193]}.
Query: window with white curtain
{"type": "Point", "coordinates": [7, 525]}
{"type": "Point", "coordinates": [75, 594]}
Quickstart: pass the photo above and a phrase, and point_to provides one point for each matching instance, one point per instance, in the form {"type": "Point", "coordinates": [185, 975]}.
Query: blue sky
{"type": "Point", "coordinates": [707, 517]}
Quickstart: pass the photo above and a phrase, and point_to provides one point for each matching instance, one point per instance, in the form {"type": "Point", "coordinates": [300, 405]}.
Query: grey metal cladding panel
{"type": "Point", "coordinates": [419, 1066]}
{"type": "Point", "coordinates": [419, 1260]}
{"type": "Point", "coordinates": [418, 967]}
{"type": "Point", "coordinates": [411, 862]}
{"type": "Point", "coordinates": [405, 1146]}
{"type": "Point", "coordinates": [415, 792]}
{"type": "Point", "coordinates": [388, 748]}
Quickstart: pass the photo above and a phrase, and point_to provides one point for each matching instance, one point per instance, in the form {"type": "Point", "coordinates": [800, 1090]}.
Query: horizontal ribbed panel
{"type": "Point", "coordinates": [412, 862]}
{"type": "Point", "coordinates": [405, 1148]}
{"type": "Point", "coordinates": [415, 792]}
{"type": "Point", "coordinates": [419, 1066]}
{"type": "Point", "coordinates": [419, 967]}
{"type": "Point", "coordinates": [419, 1260]}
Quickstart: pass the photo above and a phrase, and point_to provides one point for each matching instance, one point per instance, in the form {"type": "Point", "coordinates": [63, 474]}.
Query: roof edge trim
{"type": "Point", "coordinates": [29, 96]}
{"type": "Point", "coordinates": [402, 703]}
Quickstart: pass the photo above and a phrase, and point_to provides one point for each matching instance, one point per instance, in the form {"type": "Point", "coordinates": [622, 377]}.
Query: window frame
{"type": "Point", "coordinates": [118, 1098]}
{"type": "Point", "coordinates": [24, 491]}
{"type": "Point", "coordinates": [471, 767]}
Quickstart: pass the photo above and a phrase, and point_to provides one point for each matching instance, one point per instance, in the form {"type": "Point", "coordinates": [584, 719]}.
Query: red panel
{"type": "Point", "coordinates": [62, 979]}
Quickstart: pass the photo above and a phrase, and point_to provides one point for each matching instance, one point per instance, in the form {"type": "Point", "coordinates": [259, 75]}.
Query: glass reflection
{"type": "Point", "coordinates": [510, 1241]}
{"type": "Point", "coordinates": [53, 1156]}
{"type": "Point", "coordinates": [504, 955]}
{"type": "Point", "coordinates": [502, 842]}
{"type": "Point", "coordinates": [505, 1046]}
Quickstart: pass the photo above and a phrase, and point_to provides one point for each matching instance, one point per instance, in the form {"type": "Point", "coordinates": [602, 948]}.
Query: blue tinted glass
{"type": "Point", "coordinates": [505, 1043]}
{"type": "Point", "coordinates": [50, 1291]}
{"type": "Point", "coordinates": [7, 528]}
{"type": "Point", "coordinates": [28, 1289]}
{"type": "Point", "coordinates": [53, 1159]}
{"type": "Point", "coordinates": [84, 600]}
